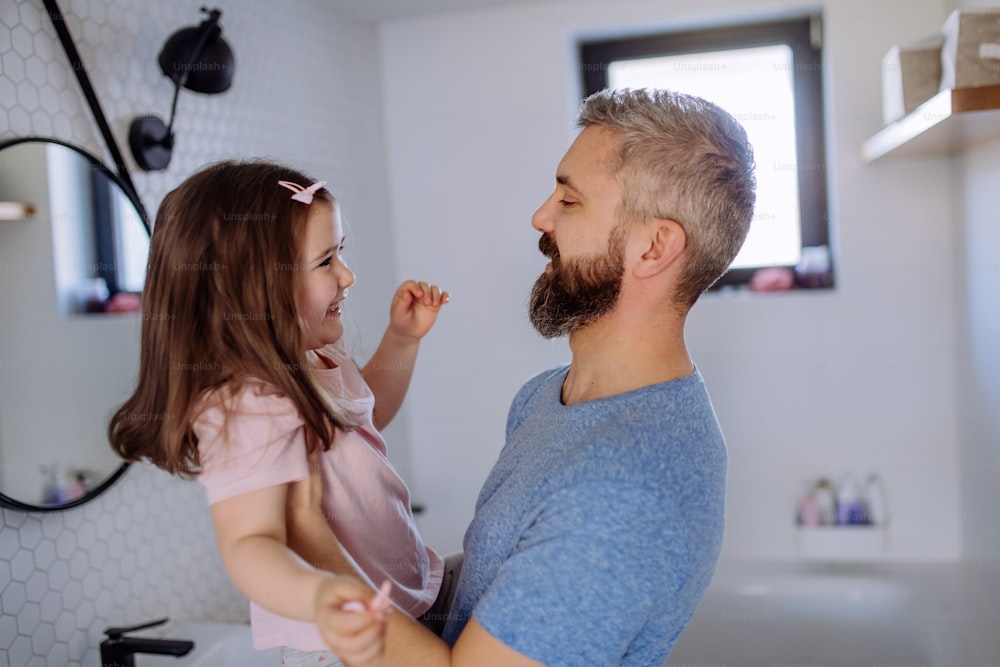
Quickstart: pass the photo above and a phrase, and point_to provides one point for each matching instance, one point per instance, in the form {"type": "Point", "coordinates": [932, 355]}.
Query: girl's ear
{"type": "Point", "coordinates": [664, 241]}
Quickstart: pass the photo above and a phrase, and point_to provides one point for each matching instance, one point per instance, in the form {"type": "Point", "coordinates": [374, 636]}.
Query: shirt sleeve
{"type": "Point", "coordinates": [252, 441]}
{"type": "Point", "coordinates": [586, 576]}
{"type": "Point", "coordinates": [516, 412]}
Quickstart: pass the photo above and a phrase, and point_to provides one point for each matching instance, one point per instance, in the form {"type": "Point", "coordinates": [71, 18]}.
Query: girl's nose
{"type": "Point", "coordinates": [346, 277]}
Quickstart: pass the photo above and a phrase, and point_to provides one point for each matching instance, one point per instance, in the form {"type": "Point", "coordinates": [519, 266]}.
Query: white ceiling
{"type": "Point", "coordinates": [387, 10]}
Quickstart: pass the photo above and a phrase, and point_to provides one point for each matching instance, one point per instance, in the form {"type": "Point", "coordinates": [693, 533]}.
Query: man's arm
{"type": "Point", "coordinates": [308, 532]}
{"type": "Point", "coordinates": [409, 643]}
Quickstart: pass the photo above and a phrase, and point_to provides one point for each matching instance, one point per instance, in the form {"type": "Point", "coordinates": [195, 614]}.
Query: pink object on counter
{"type": "Point", "coordinates": [773, 279]}
{"type": "Point", "coordinates": [808, 511]}
{"type": "Point", "coordinates": [123, 302]}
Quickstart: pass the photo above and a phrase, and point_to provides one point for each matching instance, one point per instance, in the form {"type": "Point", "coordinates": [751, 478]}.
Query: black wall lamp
{"type": "Point", "coordinates": [196, 58]}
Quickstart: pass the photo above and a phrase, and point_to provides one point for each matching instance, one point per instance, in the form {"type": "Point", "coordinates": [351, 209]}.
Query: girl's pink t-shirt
{"type": "Point", "coordinates": [364, 499]}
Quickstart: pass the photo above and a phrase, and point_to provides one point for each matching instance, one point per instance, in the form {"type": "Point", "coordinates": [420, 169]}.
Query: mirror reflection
{"type": "Point", "coordinates": [70, 278]}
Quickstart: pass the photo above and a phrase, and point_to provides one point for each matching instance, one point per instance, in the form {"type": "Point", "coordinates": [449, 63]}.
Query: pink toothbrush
{"type": "Point", "coordinates": [378, 603]}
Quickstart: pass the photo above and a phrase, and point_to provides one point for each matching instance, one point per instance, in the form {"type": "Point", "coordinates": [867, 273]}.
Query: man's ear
{"type": "Point", "coordinates": [664, 242]}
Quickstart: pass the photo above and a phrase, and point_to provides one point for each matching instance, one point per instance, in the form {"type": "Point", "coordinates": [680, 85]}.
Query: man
{"type": "Point", "coordinates": [599, 528]}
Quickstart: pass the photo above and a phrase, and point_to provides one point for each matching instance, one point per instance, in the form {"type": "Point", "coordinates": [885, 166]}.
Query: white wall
{"type": "Point", "coordinates": [479, 108]}
{"type": "Point", "coordinates": [979, 356]}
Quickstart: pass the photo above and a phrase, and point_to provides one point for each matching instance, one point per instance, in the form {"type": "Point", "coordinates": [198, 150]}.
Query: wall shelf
{"type": "Point", "coordinates": [12, 210]}
{"type": "Point", "coordinates": [952, 120]}
{"type": "Point", "coordinates": [842, 543]}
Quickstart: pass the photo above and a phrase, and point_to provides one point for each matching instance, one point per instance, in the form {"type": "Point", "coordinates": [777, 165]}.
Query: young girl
{"type": "Point", "coordinates": [244, 368]}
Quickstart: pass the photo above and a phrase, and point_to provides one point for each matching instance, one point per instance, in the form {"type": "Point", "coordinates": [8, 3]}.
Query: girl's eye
{"type": "Point", "coordinates": [326, 262]}
{"type": "Point", "coordinates": [566, 204]}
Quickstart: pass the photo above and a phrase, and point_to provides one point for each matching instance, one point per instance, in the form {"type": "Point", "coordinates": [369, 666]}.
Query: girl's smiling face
{"type": "Point", "coordinates": [323, 277]}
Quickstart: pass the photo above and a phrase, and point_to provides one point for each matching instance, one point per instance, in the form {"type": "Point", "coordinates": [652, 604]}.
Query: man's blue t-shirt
{"type": "Point", "coordinates": [598, 530]}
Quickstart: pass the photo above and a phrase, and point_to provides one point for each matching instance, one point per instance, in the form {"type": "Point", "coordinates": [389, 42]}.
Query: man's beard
{"type": "Point", "coordinates": [577, 292]}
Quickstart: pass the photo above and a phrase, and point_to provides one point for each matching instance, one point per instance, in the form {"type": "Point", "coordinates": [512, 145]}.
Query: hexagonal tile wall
{"type": "Point", "coordinates": [145, 548]}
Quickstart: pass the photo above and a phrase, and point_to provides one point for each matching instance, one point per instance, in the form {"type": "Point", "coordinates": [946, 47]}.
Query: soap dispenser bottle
{"type": "Point", "coordinates": [808, 509]}
{"type": "Point", "coordinates": [877, 510]}
{"type": "Point", "coordinates": [826, 501]}
{"type": "Point", "coordinates": [96, 295]}
{"type": "Point", "coordinates": [52, 493]}
{"type": "Point", "coordinates": [851, 507]}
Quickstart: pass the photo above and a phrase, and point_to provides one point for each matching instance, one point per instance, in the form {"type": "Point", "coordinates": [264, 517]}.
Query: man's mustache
{"type": "Point", "coordinates": [547, 246]}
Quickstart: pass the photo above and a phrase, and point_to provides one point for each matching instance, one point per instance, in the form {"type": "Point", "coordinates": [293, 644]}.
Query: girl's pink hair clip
{"type": "Point", "coordinates": [304, 195]}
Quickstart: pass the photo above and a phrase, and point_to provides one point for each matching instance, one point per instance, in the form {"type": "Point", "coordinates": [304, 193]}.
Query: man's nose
{"type": "Point", "coordinates": [542, 219]}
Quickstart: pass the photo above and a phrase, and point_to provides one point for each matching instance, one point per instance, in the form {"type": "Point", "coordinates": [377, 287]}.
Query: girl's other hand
{"type": "Point", "coordinates": [356, 636]}
{"type": "Point", "coordinates": [415, 307]}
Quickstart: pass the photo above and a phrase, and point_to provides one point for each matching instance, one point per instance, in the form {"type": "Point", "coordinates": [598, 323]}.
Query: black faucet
{"type": "Point", "coordinates": [119, 651]}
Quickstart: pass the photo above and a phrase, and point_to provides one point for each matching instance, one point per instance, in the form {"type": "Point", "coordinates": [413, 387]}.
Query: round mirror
{"type": "Point", "coordinates": [70, 279]}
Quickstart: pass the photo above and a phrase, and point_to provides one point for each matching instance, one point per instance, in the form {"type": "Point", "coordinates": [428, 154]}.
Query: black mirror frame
{"type": "Point", "coordinates": [96, 163]}
{"type": "Point", "coordinates": [121, 178]}
{"type": "Point", "coordinates": [13, 503]}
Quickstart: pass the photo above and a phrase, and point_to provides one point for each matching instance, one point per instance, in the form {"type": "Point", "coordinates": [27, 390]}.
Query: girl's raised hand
{"type": "Point", "coordinates": [415, 307]}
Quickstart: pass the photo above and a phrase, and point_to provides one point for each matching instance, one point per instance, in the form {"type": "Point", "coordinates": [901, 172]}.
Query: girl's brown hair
{"type": "Point", "coordinates": [218, 309]}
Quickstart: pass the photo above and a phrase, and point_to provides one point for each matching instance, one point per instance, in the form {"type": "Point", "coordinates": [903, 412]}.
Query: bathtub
{"type": "Point", "coordinates": [845, 615]}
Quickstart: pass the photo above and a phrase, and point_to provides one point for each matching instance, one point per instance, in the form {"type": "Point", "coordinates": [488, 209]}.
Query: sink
{"type": "Point", "coordinates": [215, 645]}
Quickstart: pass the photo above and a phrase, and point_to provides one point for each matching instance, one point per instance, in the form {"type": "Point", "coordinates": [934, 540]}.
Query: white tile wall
{"type": "Point", "coordinates": [306, 92]}
{"type": "Point", "coordinates": [142, 550]}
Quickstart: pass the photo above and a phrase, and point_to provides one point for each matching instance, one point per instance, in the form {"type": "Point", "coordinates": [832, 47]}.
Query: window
{"type": "Point", "coordinates": [769, 77]}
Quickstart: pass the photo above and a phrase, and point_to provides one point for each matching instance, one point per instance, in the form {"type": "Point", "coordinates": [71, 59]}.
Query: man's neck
{"type": "Point", "coordinates": [619, 353]}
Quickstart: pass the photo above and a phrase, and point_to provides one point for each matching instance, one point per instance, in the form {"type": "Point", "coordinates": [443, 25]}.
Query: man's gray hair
{"type": "Point", "coordinates": [681, 158]}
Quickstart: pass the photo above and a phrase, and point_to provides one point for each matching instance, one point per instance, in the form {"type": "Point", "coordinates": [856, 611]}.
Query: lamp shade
{"type": "Point", "coordinates": [196, 58]}
{"type": "Point", "coordinates": [212, 69]}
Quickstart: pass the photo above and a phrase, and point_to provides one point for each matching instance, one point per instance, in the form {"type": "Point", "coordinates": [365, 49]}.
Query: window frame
{"type": "Point", "coordinates": [803, 35]}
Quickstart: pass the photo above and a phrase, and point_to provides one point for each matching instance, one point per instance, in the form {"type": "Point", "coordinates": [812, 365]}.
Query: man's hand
{"type": "Point", "coordinates": [305, 497]}
{"type": "Point", "coordinates": [308, 533]}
